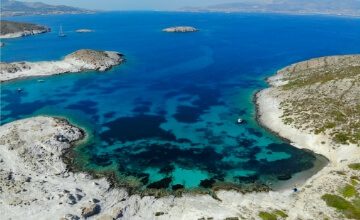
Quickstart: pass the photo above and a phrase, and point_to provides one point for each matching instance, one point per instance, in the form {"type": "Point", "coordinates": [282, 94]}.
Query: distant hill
{"type": "Point", "coordinates": [325, 7]}
{"type": "Point", "coordinates": [18, 8]}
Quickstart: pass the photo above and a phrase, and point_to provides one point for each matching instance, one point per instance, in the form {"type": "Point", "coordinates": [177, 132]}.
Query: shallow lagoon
{"type": "Point", "coordinates": [167, 117]}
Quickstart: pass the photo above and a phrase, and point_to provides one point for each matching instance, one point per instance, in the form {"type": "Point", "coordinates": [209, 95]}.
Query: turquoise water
{"type": "Point", "coordinates": [167, 117]}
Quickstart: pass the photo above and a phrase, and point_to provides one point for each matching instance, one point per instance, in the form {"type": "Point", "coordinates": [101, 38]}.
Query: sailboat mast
{"type": "Point", "coordinates": [61, 33]}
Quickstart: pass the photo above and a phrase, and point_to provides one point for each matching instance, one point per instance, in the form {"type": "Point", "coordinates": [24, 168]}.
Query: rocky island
{"type": "Point", "coordinates": [36, 183]}
{"type": "Point", "coordinates": [84, 31]}
{"type": "Point", "coordinates": [11, 29]}
{"type": "Point", "coordinates": [180, 29]}
{"type": "Point", "coordinates": [81, 60]}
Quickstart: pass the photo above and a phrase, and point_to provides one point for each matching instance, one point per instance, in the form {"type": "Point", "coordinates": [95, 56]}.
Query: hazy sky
{"type": "Point", "coordinates": [133, 4]}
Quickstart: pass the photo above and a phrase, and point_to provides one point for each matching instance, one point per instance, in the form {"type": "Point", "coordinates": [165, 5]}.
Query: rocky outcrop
{"type": "Point", "coordinates": [180, 29]}
{"type": "Point", "coordinates": [90, 210]}
{"type": "Point", "coordinates": [34, 181]}
{"type": "Point", "coordinates": [79, 61]}
{"type": "Point", "coordinates": [11, 29]}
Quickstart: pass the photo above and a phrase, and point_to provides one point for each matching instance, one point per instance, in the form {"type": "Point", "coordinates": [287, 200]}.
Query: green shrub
{"type": "Point", "coordinates": [267, 216]}
{"type": "Point", "coordinates": [280, 213]}
{"type": "Point", "coordinates": [341, 138]}
{"type": "Point", "coordinates": [354, 166]}
{"type": "Point", "coordinates": [339, 203]}
{"type": "Point", "coordinates": [348, 191]}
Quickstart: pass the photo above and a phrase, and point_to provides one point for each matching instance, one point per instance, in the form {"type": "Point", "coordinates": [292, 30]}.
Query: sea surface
{"type": "Point", "coordinates": [167, 118]}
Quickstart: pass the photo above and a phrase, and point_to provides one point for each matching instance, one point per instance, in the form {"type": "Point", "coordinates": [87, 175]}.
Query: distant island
{"type": "Point", "coordinates": [11, 29]}
{"type": "Point", "coordinates": [84, 31]}
{"type": "Point", "coordinates": [180, 29]}
{"type": "Point", "coordinates": [19, 8]}
{"type": "Point", "coordinates": [323, 7]}
{"type": "Point", "coordinates": [78, 61]}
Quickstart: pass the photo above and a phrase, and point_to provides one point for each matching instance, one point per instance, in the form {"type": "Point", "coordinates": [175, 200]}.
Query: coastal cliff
{"type": "Point", "coordinates": [11, 29]}
{"type": "Point", "coordinates": [81, 60]}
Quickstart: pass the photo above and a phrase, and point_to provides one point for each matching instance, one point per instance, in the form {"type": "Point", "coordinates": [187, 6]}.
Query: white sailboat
{"type": "Point", "coordinates": [61, 33]}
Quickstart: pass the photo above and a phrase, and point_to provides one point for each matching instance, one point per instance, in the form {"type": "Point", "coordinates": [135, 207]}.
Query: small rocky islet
{"type": "Point", "coordinates": [180, 29]}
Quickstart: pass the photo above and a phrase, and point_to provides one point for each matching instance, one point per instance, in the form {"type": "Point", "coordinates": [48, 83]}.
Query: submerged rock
{"type": "Point", "coordinates": [161, 184]}
{"type": "Point", "coordinates": [284, 177]}
{"type": "Point", "coordinates": [177, 187]}
{"type": "Point", "coordinates": [207, 183]}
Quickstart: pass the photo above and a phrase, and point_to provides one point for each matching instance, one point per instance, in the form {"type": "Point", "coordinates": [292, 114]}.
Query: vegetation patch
{"type": "Point", "coordinates": [354, 166]}
{"type": "Point", "coordinates": [348, 191]}
{"type": "Point", "coordinates": [273, 215]}
{"type": "Point", "coordinates": [349, 209]}
{"type": "Point", "coordinates": [323, 98]}
{"type": "Point", "coordinates": [280, 213]}
{"type": "Point", "coordinates": [267, 216]}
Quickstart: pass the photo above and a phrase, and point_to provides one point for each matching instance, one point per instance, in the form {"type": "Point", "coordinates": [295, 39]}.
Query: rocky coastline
{"type": "Point", "coordinates": [79, 61]}
{"type": "Point", "coordinates": [309, 80]}
{"type": "Point", "coordinates": [11, 29]}
{"type": "Point", "coordinates": [37, 183]}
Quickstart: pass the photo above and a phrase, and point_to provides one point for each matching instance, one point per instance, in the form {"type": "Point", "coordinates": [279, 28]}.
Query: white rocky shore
{"type": "Point", "coordinates": [81, 60]}
{"type": "Point", "coordinates": [180, 29]}
{"type": "Point", "coordinates": [11, 29]}
{"type": "Point", "coordinates": [22, 34]}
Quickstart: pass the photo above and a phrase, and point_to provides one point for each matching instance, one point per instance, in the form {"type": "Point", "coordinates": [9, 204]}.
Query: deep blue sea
{"type": "Point", "coordinates": [167, 117]}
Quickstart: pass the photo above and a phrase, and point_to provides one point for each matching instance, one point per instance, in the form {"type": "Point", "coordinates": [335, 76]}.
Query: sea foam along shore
{"type": "Point", "coordinates": [78, 61]}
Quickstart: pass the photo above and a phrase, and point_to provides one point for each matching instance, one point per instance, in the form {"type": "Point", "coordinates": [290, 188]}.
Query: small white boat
{"type": "Point", "coordinates": [41, 80]}
{"type": "Point", "coordinates": [61, 33]}
{"type": "Point", "coordinates": [240, 121]}
{"type": "Point", "coordinates": [19, 89]}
